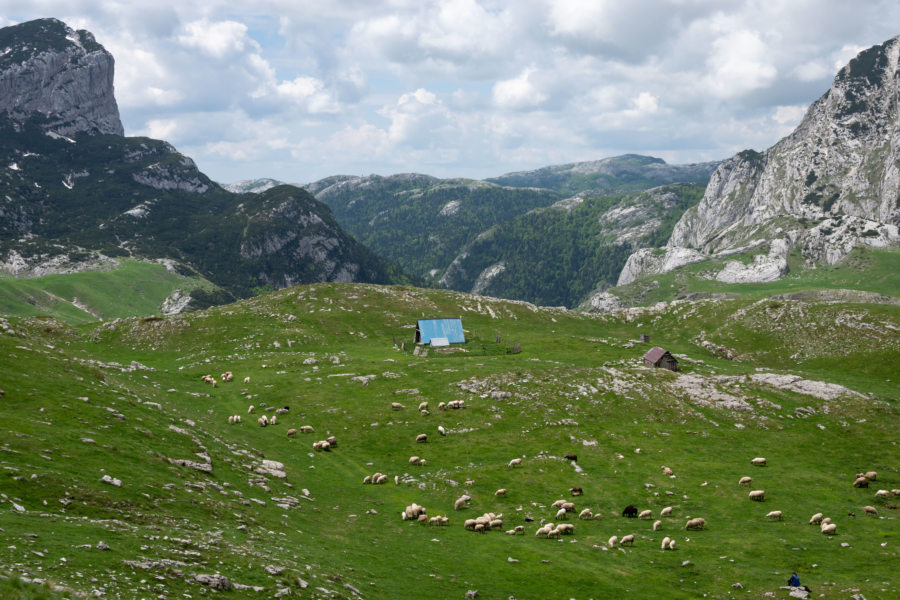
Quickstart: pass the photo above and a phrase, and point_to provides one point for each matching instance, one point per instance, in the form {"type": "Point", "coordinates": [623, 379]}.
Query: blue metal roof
{"type": "Point", "coordinates": [440, 328]}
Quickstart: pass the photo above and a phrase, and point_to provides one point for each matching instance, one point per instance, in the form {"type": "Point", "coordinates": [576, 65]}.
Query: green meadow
{"type": "Point", "coordinates": [124, 398]}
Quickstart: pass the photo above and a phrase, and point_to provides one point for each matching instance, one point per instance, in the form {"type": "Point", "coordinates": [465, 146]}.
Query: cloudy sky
{"type": "Point", "coordinates": [299, 90]}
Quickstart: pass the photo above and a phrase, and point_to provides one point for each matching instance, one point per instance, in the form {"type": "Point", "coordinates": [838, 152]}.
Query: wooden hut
{"type": "Point", "coordinates": [658, 357]}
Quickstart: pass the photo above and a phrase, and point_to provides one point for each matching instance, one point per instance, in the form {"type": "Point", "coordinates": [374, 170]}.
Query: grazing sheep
{"type": "Point", "coordinates": [543, 531]}
{"type": "Point", "coordinates": [671, 544]}
{"type": "Point", "coordinates": [422, 438]}
{"type": "Point", "coordinates": [500, 492]}
{"type": "Point", "coordinates": [696, 523]}
{"type": "Point", "coordinates": [825, 521]}
{"type": "Point", "coordinates": [227, 376]}
{"type": "Point", "coordinates": [332, 440]}
{"type": "Point", "coordinates": [413, 460]}
{"type": "Point", "coordinates": [627, 539]}
{"type": "Point", "coordinates": [510, 532]}
{"type": "Point", "coordinates": [586, 514]}
{"type": "Point", "coordinates": [630, 511]}
{"type": "Point", "coordinates": [665, 542]}
{"type": "Point", "coordinates": [423, 405]}
{"type": "Point", "coordinates": [829, 529]}
{"type": "Point", "coordinates": [870, 510]}
{"type": "Point", "coordinates": [861, 482]}
{"type": "Point", "coordinates": [306, 429]}
{"type": "Point", "coordinates": [657, 525]}
{"type": "Point", "coordinates": [883, 494]}
{"type": "Point", "coordinates": [666, 471]}
{"type": "Point", "coordinates": [460, 503]}
{"type": "Point", "coordinates": [569, 506]}
{"type": "Point", "coordinates": [745, 481]}
{"type": "Point", "coordinates": [469, 482]}
{"type": "Point", "coordinates": [576, 491]}
{"type": "Point", "coordinates": [442, 406]}
{"type": "Point", "coordinates": [237, 418]}
{"type": "Point", "coordinates": [251, 409]}
{"type": "Point", "coordinates": [263, 421]}
{"type": "Point", "coordinates": [469, 524]}
{"type": "Point", "coordinates": [246, 380]}
{"type": "Point", "coordinates": [611, 542]}
{"type": "Point", "coordinates": [775, 514]}
{"type": "Point", "coordinates": [273, 420]}
{"type": "Point", "coordinates": [381, 479]}
{"type": "Point", "coordinates": [561, 513]}
{"type": "Point", "coordinates": [496, 524]}
{"type": "Point", "coordinates": [516, 462]}
{"type": "Point", "coordinates": [895, 492]}
{"type": "Point", "coordinates": [556, 533]}
{"type": "Point", "coordinates": [231, 419]}
{"type": "Point", "coordinates": [758, 495]}
{"type": "Point", "coordinates": [646, 514]}
{"type": "Point", "coordinates": [871, 475]}
{"type": "Point", "coordinates": [667, 511]}
{"type": "Point", "coordinates": [572, 457]}
{"type": "Point", "coordinates": [519, 529]}
{"type": "Point", "coordinates": [558, 503]}
{"type": "Point", "coordinates": [759, 462]}
{"type": "Point", "coordinates": [479, 527]}
{"type": "Point", "coordinates": [441, 430]}
{"type": "Point", "coordinates": [816, 519]}
{"type": "Point", "coordinates": [396, 406]}
{"type": "Point", "coordinates": [566, 528]}
{"type": "Point", "coordinates": [292, 432]}
{"type": "Point", "coordinates": [367, 479]}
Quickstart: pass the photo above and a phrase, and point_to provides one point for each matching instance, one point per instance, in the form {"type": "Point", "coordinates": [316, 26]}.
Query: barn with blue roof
{"type": "Point", "coordinates": [436, 331]}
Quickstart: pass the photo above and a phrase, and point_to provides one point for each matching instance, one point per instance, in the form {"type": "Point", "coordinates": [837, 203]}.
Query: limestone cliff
{"type": "Point", "coordinates": [63, 75]}
{"type": "Point", "coordinates": [833, 183]}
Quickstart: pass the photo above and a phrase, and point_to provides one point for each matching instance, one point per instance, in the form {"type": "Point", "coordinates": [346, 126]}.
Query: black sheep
{"type": "Point", "coordinates": [630, 511]}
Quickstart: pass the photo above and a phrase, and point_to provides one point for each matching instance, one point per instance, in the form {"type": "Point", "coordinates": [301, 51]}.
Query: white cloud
{"type": "Point", "coordinates": [309, 93]}
{"type": "Point", "coordinates": [217, 39]}
{"type": "Point", "coordinates": [740, 63]}
{"type": "Point", "coordinates": [517, 93]}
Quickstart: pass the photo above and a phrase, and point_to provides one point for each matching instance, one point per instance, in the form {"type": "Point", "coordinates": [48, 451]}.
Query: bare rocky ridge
{"type": "Point", "coordinates": [71, 84]}
{"type": "Point", "coordinates": [830, 185]}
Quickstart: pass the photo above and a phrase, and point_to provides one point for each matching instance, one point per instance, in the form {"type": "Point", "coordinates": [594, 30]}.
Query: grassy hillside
{"type": "Point", "coordinates": [122, 398]}
{"type": "Point", "coordinates": [133, 288]}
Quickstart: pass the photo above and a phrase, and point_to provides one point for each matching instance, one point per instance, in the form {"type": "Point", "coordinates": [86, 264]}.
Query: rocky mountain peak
{"type": "Point", "coordinates": [831, 184]}
{"type": "Point", "coordinates": [47, 69]}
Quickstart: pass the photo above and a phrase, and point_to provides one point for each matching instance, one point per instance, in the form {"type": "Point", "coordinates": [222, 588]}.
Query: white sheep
{"type": "Point", "coordinates": [556, 533]}
{"type": "Point", "coordinates": [871, 475]}
{"type": "Point", "coordinates": [646, 514]}
{"type": "Point", "coordinates": [612, 541]}
{"type": "Point", "coordinates": [870, 510]}
{"type": "Point", "coordinates": [816, 519]}
{"type": "Point", "coordinates": [561, 513]}
{"type": "Point", "coordinates": [757, 495]}
{"type": "Point", "coordinates": [667, 471]}
{"type": "Point", "coordinates": [306, 429]}
{"type": "Point", "coordinates": [775, 514]}
{"type": "Point", "coordinates": [396, 480]}
{"type": "Point", "coordinates": [292, 432]}
{"type": "Point", "coordinates": [586, 514]}
{"type": "Point", "coordinates": [469, 524]}
{"type": "Point", "coordinates": [367, 479]}
{"type": "Point", "coordinates": [829, 529]}
{"type": "Point", "coordinates": [413, 460]}
{"type": "Point", "coordinates": [696, 523]}
{"type": "Point", "coordinates": [441, 430]}
{"type": "Point", "coordinates": [825, 521]}
{"type": "Point", "coordinates": [231, 419]}
{"type": "Point", "coordinates": [479, 527]}
{"type": "Point", "coordinates": [665, 542]}
{"type": "Point", "coordinates": [251, 409]}
{"type": "Point", "coordinates": [627, 539]}
{"type": "Point", "coordinates": [745, 481]}
{"type": "Point", "coordinates": [246, 380]}
{"type": "Point", "coordinates": [500, 492]}
{"type": "Point", "coordinates": [442, 406]}
{"type": "Point", "coordinates": [543, 531]}
{"type": "Point", "coordinates": [381, 479]}
{"type": "Point", "coordinates": [332, 440]}
{"type": "Point", "coordinates": [883, 494]}
{"type": "Point", "coordinates": [519, 529]}
{"type": "Point", "coordinates": [263, 421]}
{"type": "Point", "coordinates": [569, 506]}
{"type": "Point", "coordinates": [558, 503]}
{"type": "Point", "coordinates": [758, 461]}
{"type": "Point", "coordinates": [657, 525]}
{"type": "Point", "coordinates": [423, 405]}
{"type": "Point", "coordinates": [671, 544]}
{"type": "Point", "coordinates": [273, 420]}
{"type": "Point", "coordinates": [460, 502]}
{"type": "Point", "coordinates": [667, 511]}
{"type": "Point", "coordinates": [422, 437]}
{"type": "Point", "coordinates": [566, 528]}
{"type": "Point", "coordinates": [516, 462]}
{"type": "Point", "coordinates": [396, 406]}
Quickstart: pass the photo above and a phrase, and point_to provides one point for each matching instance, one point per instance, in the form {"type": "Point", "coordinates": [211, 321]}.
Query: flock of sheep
{"type": "Point", "coordinates": [491, 521]}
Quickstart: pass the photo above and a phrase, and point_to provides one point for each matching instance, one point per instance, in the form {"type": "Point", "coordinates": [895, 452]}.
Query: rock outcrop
{"type": "Point", "coordinates": [63, 75]}
{"type": "Point", "coordinates": [830, 185]}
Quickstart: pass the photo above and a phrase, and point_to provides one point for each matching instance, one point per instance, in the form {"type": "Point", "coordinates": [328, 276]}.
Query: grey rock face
{"type": "Point", "coordinates": [47, 68]}
{"type": "Point", "coordinates": [840, 170]}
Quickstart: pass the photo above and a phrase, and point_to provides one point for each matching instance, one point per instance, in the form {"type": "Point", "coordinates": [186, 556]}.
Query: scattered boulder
{"type": "Point", "coordinates": [215, 581]}
{"type": "Point", "coordinates": [111, 480]}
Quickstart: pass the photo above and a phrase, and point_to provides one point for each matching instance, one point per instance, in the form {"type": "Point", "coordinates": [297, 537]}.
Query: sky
{"type": "Point", "coordinates": [301, 90]}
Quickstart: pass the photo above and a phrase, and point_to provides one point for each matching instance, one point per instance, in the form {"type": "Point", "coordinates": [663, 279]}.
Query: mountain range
{"type": "Point", "coordinates": [80, 195]}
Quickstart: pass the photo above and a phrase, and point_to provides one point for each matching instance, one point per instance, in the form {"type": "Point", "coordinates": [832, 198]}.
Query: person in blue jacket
{"type": "Point", "coordinates": [794, 581]}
